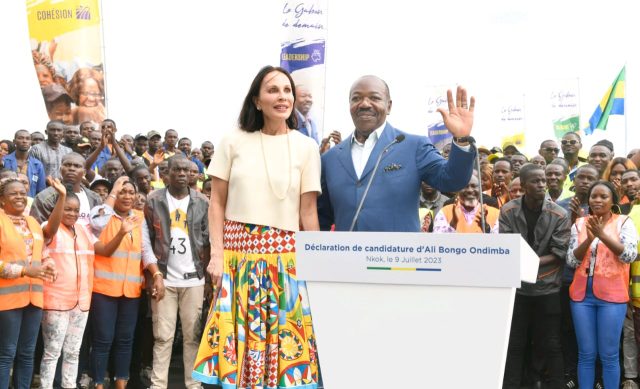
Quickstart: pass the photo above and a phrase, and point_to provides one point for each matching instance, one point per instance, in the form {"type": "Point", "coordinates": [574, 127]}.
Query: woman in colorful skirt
{"type": "Point", "coordinates": [265, 181]}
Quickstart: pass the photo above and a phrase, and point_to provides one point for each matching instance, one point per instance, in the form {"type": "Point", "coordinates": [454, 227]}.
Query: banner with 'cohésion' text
{"type": "Point", "coordinates": [67, 50]}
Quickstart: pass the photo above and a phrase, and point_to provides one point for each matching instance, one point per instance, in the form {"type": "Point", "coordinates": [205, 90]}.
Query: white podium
{"type": "Point", "coordinates": [412, 310]}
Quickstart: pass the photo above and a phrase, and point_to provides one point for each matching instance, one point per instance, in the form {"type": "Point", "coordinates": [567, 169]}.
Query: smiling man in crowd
{"type": "Point", "coordinates": [464, 215]}
{"type": "Point", "coordinates": [303, 104]}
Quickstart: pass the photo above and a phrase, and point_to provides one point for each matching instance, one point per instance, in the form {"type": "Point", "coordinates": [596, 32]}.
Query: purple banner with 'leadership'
{"type": "Point", "coordinates": [302, 53]}
{"type": "Point", "coordinates": [439, 135]}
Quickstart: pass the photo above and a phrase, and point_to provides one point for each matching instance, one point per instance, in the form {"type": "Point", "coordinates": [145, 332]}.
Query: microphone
{"type": "Point", "coordinates": [396, 140]}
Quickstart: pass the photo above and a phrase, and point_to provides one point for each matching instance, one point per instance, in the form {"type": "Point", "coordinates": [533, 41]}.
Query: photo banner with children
{"type": "Point", "coordinates": [66, 45]}
{"type": "Point", "coordinates": [302, 53]}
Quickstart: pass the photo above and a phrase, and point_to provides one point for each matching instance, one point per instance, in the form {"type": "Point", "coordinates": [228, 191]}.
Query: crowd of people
{"type": "Point", "coordinates": [576, 209]}
{"type": "Point", "coordinates": [111, 242]}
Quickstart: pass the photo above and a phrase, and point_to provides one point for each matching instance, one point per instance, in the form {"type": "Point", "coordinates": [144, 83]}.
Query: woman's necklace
{"type": "Point", "coordinates": [266, 168]}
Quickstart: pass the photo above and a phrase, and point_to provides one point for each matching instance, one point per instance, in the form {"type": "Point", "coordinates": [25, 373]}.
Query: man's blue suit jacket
{"type": "Point", "coordinates": [310, 132]}
{"type": "Point", "coordinates": [393, 199]}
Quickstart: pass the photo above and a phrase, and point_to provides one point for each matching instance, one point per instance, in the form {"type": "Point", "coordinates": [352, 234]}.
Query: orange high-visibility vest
{"type": "Point", "coordinates": [73, 256]}
{"type": "Point", "coordinates": [502, 200]}
{"type": "Point", "coordinates": [610, 275]}
{"type": "Point", "coordinates": [121, 273]}
{"type": "Point", "coordinates": [462, 226]}
{"type": "Point", "coordinates": [20, 292]}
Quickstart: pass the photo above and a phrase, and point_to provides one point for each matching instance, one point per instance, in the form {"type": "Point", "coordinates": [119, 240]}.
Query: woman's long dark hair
{"type": "Point", "coordinates": [251, 119]}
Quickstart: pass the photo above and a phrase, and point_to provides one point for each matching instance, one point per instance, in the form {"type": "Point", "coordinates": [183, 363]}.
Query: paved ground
{"type": "Point", "coordinates": [176, 373]}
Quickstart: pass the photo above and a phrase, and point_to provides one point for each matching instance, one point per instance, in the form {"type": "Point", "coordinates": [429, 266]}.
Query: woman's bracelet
{"type": "Point", "coordinates": [157, 273]}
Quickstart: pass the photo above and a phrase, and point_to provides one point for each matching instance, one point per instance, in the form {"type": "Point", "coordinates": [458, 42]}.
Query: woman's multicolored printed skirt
{"type": "Point", "coordinates": [259, 332]}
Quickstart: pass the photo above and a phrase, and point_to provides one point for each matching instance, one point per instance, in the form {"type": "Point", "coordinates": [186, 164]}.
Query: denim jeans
{"type": "Point", "coordinates": [18, 333]}
{"type": "Point", "coordinates": [598, 325]}
{"type": "Point", "coordinates": [568, 334]}
{"type": "Point", "coordinates": [113, 321]}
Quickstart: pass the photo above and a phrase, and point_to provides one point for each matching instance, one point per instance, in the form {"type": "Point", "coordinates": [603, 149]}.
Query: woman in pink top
{"type": "Point", "coordinates": [66, 301]}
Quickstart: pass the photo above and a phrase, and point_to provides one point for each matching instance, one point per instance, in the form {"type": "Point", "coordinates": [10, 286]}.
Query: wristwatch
{"type": "Point", "coordinates": [462, 139]}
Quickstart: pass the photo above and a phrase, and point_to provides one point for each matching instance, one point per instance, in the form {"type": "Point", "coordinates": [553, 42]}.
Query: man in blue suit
{"type": "Point", "coordinates": [303, 103]}
{"type": "Point", "coordinates": [393, 199]}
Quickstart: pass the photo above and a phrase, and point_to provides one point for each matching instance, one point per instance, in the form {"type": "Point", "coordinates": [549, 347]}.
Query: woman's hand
{"type": "Point", "coordinates": [216, 265]}
{"type": "Point", "coordinates": [45, 272]}
{"type": "Point", "coordinates": [117, 186]}
{"type": "Point", "coordinates": [128, 224]}
{"type": "Point", "coordinates": [595, 227]}
{"type": "Point", "coordinates": [618, 185]}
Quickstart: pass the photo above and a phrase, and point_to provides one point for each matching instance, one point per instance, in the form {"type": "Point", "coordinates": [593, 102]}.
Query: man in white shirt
{"type": "Point", "coordinates": [179, 234]}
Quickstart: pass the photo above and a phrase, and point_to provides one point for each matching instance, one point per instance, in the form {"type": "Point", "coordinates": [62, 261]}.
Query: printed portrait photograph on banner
{"type": "Point", "coordinates": [302, 53]}
{"type": "Point", "coordinates": [66, 45]}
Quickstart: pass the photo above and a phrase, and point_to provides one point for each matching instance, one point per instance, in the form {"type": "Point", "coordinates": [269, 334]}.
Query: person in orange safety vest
{"type": "Point", "coordinates": [22, 274]}
{"type": "Point", "coordinates": [464, 215]}
{"type": "Point", "coordinates": [122, 252]}
{"type": "Point", "coordinates": [601, 247]}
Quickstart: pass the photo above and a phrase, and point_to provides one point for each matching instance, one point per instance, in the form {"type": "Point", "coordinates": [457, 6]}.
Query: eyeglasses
{"type": "Point", "coordinates": [551, 150]}
{"type": "Point", "coordinates": [568, 142]}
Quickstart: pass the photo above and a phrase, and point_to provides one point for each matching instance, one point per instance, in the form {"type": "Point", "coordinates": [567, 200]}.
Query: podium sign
{"type": "Point", "coordinates": [412, 309]}
{"type": "Point", "coordinates": [409, 258]}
